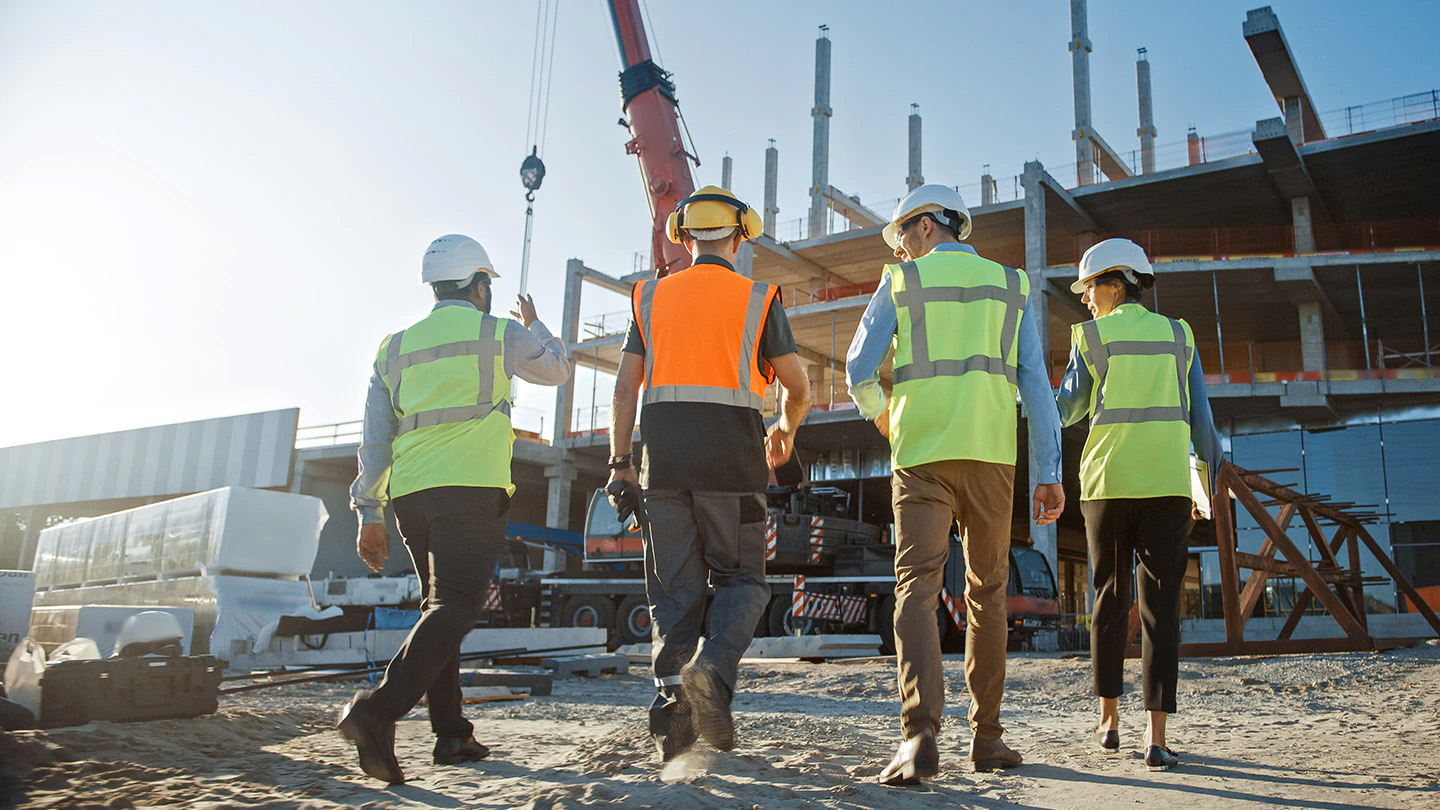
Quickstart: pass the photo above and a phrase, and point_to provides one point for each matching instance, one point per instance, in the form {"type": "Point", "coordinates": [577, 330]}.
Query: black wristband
{"type": "Point", "coordinates": [621, 462]}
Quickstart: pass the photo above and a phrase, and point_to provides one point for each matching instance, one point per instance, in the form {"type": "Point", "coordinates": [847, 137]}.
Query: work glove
{"type": "Point", "coordinates": [625, 497]}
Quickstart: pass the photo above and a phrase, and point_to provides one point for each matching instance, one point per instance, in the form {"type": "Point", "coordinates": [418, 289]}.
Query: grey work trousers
{"type": "Point", "coordinates": [691, 536]}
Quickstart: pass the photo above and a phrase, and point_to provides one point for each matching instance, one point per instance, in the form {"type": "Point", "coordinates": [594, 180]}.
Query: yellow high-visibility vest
{"type": "Point", "coordinates": [447, 383]}
{"type": "Point", "coordinates": [1139, 443]}
{"type": "Point", "coordinates": [956, 359]}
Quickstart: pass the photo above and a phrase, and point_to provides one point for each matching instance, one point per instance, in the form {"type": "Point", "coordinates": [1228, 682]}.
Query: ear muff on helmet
{"type": "Point", "coordinates": [747, 219]}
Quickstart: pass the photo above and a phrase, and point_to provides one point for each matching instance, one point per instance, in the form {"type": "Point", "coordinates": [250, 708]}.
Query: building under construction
{"type": "Point", "coordinates": [1302, 253]}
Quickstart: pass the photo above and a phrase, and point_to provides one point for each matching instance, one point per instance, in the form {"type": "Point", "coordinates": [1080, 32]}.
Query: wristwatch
{"type": "Point", "coordinates": [621, 462]}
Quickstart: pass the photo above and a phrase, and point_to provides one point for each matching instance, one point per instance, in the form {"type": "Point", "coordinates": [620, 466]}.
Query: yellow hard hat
{"type": "Point", "coordinates": [713, 208]}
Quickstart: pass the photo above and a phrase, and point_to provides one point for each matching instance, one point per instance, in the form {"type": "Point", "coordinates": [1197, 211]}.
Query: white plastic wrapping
{"type": "Point", "coordinates": [227, 530]}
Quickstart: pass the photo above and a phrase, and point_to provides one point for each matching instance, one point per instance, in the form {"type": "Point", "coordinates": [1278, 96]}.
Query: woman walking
{"type": "Point", "coordinates": [1136, 376]}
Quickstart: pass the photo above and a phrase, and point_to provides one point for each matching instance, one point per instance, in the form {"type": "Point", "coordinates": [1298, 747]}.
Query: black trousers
{"type": "Point", "coordinates": [1152, 532]}
{"type": "Point", "coordinates": [454, 535]}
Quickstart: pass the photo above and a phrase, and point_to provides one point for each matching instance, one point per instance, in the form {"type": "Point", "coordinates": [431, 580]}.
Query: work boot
{"type": "Point", "coordinates": [992, 755]}
{"type": "Point", "coordinates": [709, 699]}
{"type": "Point", "coordinates": [374, 740]}
{"type": "Point", "coordinates": [681, 735]}
{"type": "Point", "coordinates": [457, 750]}
{"type": "Point", "coordinates": [917, 758]}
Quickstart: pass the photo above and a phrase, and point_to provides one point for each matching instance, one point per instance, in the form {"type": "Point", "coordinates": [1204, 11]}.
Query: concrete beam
{"type": "Point", "coordinates": [1289, 263]}
{"type": "Point", "coordinates": [851, 208]}
{"type": "Point", "coordinates": [853, 302]}
{"type": "Point", "coordinates": [779, 251]}
{"type": "Point", "coordinates": [1111, 164]}
{"type": "Point", "coordinates": [1053, 186]}
{"type": "Point", "coordinates": [609, 282]}
{"type": "Point", "coordinates": [1284, 165]}
{"type": "Point", "coordinates": [835, 363]}
{"type": "Point", "coordinates": [1277, 64]}
{"type": "Point", "coordinates": [592, 344]}
{"type": "Point", "coordinates": [1068, 301]}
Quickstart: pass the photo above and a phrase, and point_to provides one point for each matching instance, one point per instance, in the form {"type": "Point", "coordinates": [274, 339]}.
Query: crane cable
{"type": "Point", "coordinates": [537, 118]}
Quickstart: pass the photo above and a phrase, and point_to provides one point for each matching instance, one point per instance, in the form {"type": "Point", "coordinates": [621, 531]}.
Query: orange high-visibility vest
{"type": "Point", "coordinates": [702, 330]}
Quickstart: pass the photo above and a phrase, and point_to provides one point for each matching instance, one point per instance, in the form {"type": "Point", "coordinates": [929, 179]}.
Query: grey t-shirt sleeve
{"type": "Point", "coordinates": [776, 339]}
{"type": "Point", "coordinates": [634, 344]}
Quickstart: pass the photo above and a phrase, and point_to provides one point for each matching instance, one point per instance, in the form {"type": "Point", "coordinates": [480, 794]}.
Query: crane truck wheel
{"type": "Point", "coordinates": [781, 623]}
{"type": "Point", "coordinates": [632, 620]}
{"type": "Point", "coordinates": [588, 611]}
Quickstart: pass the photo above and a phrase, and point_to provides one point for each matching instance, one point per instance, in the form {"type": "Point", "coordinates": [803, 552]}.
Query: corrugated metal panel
{"type": "Point", "coordinates": [253, 450]}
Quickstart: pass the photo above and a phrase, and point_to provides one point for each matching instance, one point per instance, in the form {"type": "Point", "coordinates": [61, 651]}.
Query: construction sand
{"type": "Point", "coordinates": [1318, 731]}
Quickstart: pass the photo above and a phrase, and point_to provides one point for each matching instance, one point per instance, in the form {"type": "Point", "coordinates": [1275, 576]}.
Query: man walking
{"type": "Point", "coordinates": [964, 339]}
{"type": "Point", "coordinates": [705, 343]}
{"type": "Point", "coordinates": [437, 446]}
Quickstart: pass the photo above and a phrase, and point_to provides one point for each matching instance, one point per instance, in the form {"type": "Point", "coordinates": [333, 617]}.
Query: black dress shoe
{"type": "Point", "coordinates": [1160, 758]}
{"type": "Point", "coordinates": [374, 741]}
{"type": "Point", "coordinates": [457, 750]}
{"type": "Point", "coordinates": [1108, 740]}
{"type": "Point", "coordinates": [709, 700]}
{"type": "Point", "coordinates": [917, 758]}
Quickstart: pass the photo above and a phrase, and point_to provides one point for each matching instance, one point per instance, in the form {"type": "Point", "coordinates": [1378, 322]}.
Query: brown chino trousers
{"type": "Point", "coordinates": [979, 497]}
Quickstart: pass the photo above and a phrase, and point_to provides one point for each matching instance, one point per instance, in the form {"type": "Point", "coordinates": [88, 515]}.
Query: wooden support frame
{"type": "Point", "coordinates": [1338, 586]}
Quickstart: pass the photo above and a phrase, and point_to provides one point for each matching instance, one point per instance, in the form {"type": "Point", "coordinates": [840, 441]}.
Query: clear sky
{"type": "Point", "coordinates": [216, 208]}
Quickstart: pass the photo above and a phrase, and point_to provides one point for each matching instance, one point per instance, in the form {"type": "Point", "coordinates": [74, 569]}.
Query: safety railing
{"type": "Point", "coordinates": [605, 324]}
{"type": "Point", "coordinates": [528, 422]}
{"type": "Point", "coordinates": [1195, 150]}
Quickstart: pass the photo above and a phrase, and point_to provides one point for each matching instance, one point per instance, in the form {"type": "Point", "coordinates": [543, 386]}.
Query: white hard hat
{"type": "Point", "coordinates": [1113, 254]}
{"type": "Point", "coordinates": [150, 631]}
{"type": "Point", "coordinates": [936, 199]}
{"type": "Point", "coordinates": [455, 258]}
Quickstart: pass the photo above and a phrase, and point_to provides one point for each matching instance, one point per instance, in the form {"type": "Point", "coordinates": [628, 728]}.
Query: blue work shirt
{"type": "Point", "coordinates": [871, 346]}
{"type": "Point", "coordinates": [1073, 402]}
{"type": "Point", "coordinates": [531, 354]}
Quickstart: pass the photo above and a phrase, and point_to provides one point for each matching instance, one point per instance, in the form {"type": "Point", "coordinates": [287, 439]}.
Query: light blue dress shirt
{"type": "Point", "coordinates": [532, 354]}
{"type": "Point", "coordinates": [871, 346]}
{"type": "Point", "coordinates": [1073, 402]}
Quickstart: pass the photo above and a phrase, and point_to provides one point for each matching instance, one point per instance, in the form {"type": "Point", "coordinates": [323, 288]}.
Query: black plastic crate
{"type": "Point", "coordinates": [125, 690]}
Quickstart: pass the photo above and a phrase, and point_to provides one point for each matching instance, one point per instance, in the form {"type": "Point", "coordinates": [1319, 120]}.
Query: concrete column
{"type": "Point", "coordinates": [1080, 68]}
{"type": "Point", "coordinates": [1192, 148]}
{"type": "Point", "coordinates": [560, 479]}
{"type": "Point", "coordinates": [725, 166]}
{"type": "Point", "coordinates": [569, 333]}
{"type": "Point", "coordinates": [915, 180]}
{"type": "Point", "coordinates": [1312, 335]}
{"type": "Point", "coordinates": [34, 521]}
{"type": "Point", "coordinates": [1303, 223]}
{"type": "Point", "coordinates": [1147, 114]}
{"type": "Point", "coordinates": [1295, 119]}
{"type": "Point", "coordinates": [1045, 538]}
{"type": "Point", "coordinates": [745, 260]}
{"type": "Point", "coordinates": [987, 187]}
{"type": "Point", "coordinates": [820, 157]}
{"type": "Point", "coordinates": [772, 187]}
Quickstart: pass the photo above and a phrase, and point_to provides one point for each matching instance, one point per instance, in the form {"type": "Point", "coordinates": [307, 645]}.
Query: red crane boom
{"type": "Point", "coordinates": [653, 118]}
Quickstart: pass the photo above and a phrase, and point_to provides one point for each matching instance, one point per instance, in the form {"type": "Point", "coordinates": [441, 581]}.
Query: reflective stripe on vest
{"type": "Point", "coordinates": [486, 349]}
{"type": "Point", "coordinates": [958, 320]}
{"type": "Point", "coordinates": [914, 298]}
{"type": "Point", "coordinates": [743, 395]}
{"type": "Point", "coordinates": [1099, 353]}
